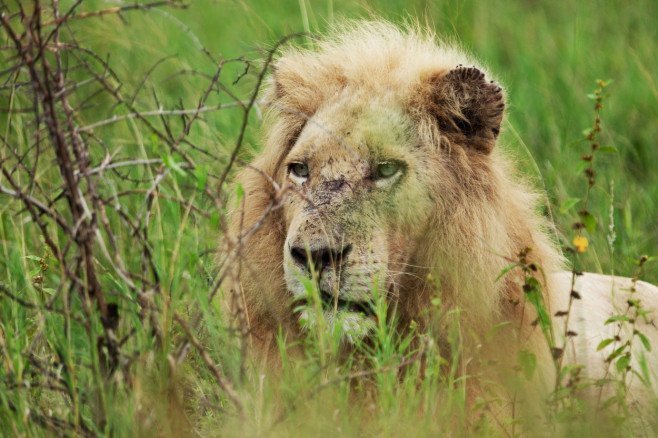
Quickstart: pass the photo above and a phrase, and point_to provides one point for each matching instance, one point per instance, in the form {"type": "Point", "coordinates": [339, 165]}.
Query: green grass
{"type": "Point", "coordinates": [547, 54]}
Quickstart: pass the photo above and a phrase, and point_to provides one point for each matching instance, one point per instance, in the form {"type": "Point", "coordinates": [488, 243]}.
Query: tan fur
{"type": "Point", "coordinates": [369, 94]}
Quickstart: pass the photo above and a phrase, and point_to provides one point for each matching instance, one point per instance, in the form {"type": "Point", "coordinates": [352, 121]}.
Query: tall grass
{"type": "Point", "coordinates": [178, 363]}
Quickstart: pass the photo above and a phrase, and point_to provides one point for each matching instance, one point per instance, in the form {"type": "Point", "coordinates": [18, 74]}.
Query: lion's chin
{"type": "Point", "coordinates": [349, 325]}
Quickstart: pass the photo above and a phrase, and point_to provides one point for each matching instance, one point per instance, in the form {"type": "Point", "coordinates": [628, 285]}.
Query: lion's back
{"type": "Point", "coordinates": [602, 297]}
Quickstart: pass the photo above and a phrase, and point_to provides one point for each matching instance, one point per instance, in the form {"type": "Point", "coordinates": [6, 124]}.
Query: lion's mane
{"type": "Point", "coordinates": [483, 213]}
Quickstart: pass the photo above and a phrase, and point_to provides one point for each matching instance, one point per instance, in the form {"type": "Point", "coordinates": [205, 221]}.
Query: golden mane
{"type": "Point", "coordinates": [382, 168]}
{"type": "Point", "coordinates": [484, 215]}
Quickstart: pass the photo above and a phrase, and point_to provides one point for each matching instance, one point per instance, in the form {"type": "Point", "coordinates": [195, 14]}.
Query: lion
{"type": "Point", "coordinates": [382, 173]}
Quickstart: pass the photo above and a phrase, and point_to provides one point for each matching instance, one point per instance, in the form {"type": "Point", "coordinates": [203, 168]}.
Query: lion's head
{"type": "Point", "coordinates": [380, 168]}
{"type": "Point", "coordinates": [358, 206]}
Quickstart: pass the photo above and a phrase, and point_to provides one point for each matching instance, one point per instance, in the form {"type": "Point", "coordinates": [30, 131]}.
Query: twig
{"type": "Point", "coordinates": [250, 104]}
{"type": "Point", "coordinates": [114, 11]}
{"type": "Point", "coordinates": [159, 113]}
{"type": "Point", "coordinates": [222, 381]}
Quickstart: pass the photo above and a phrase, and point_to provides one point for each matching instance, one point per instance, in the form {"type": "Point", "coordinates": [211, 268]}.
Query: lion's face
{"type": "Point", "coordinates": [353, 173]}
{"type": "Point", "coordinates": [376, 158]}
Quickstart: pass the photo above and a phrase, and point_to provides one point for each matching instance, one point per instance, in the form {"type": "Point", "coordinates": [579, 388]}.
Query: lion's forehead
{"type": "Point", "coordinates": [343, 145]}
{"type": "Point", "coordinates": [346, 133]}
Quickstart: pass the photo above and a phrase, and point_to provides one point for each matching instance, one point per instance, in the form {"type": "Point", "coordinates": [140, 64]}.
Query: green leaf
{"type": "Point", "coordinates": [528, 363]}
{"type": "Point", "coordinates": [239, 193]}
{"type": "Point", "coordinates": [33, 257]}
{"type": "Point", "coordinates": [568, 204]}
{"type": "Point", "coordinates": [117, 108]}
{"type": "Point", "coordinates": [534, 297]}
{"type": "Point", "coordinates": [643, 313]}
{"type": "Point", "coordinates": [615, 318]}
{"type": "Point", "coordinates": [608, 149]}
{"type": "Point", "coordinates": [214, 220]}
{"type": "Point", "coordinates": [645, 340]}
{"type": "Point", "coordinates": [589, 221]}
{"type": "Point", "coordinates": [581, 166]}
{"type": "Point", "coordinates": [505, 270]}
{"type": "Point", "coordinates": [171, 163]}
{"type": "Point", "coordinates": [565, 371]}
{"type": "Point", "coordinates": [615, 354]}
{"type": "Point", "coordinates": [604, 343]}
{"type": "Point", "coordinates": [201, 174]}
{"type": "Point", "coordinates": [154, 143]}
{"type": "Point", "coordinates": [634, 302]}
{"type": "Point", "coordinates": [644, 381]}
{"type": "Point", "coordinates": [609, 402]}
{"type": "Point", "coordinates": [534, 283]}
{"type": "Point", "coordinates": [492, 332]}
{"type": "Point", "coordinates": [644, 367]}
{"type": "Point", "coordinates": [622, 363]}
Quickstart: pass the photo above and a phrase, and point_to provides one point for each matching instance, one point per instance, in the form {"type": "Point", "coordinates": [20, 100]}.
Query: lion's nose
{"type": "Point", "coordinates": [321, 258]}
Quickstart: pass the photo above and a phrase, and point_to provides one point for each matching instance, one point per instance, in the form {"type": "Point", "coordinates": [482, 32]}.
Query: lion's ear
{"type": "Point", "coordinates": [292, 99]}
{"type": "Point", "coordinates": [291, 91]}
{"type": "Point", "coordinates": [468, 108]}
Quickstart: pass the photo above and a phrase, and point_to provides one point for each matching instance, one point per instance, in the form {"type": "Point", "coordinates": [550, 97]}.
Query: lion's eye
{"type": "Point", "coordinates": [387, 169]}
{"type": "Point", "coordinates": [300, 170]}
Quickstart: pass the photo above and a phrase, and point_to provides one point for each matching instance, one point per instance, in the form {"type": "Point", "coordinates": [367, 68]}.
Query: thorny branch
{"type": "Point", "coordinates": [82, 197]}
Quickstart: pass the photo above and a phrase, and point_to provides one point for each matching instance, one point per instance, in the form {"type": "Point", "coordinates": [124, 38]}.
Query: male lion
{"type": "Point", "coordinates": [381, 173]}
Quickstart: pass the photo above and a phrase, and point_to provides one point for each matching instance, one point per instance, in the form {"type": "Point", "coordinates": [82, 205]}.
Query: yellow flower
{"type": "Point", "coordinates": [581, 243]}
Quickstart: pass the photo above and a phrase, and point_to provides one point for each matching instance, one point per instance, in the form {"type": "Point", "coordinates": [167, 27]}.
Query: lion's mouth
{"type": "Point", "coordinates": [331, 301]}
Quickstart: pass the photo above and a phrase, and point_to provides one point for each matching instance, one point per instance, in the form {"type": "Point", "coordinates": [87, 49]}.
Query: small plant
{"type": "Point", "coordinates": [621, 344]}
{"type": "Point", "coordinates": [566, 390]}
{"type": "Point", "coordinates": [566, 402]}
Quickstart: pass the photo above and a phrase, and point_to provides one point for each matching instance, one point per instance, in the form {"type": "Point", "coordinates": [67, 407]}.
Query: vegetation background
{"type": "Point", "coordinates": [54, 378]}
{"type": "Point", "coordinates": [548, 56]}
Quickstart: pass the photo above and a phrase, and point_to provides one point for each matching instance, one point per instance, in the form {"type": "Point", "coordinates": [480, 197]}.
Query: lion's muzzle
{"type": "Point", "coordinates": [326, 265]}
{"type": "Point", "coordinates": [322, 259]}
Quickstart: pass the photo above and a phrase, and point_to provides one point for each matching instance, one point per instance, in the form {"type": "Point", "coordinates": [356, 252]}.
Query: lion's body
{"type": "Point", "coordinates": [379, 170]}
{"type": "Point", "coordinates": [602, 297]}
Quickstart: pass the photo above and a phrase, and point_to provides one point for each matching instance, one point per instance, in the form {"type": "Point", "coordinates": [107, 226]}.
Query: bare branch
{"type": "Point", "coordinates": [222, 381]}
{"type": "Point", "coordinates": [159, 113]}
